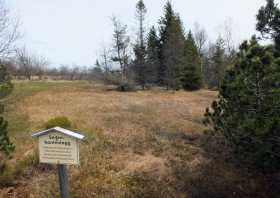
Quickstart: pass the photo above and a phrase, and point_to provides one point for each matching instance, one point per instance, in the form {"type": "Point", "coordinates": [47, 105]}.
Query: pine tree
{"type": "Point", "coordinates": [171, 49]}
{"type": "Point", "coordinates": [191, 75]}
{"type": "Point", "coordinates": [140, 65]}
{"type": "Point", "coordinates": [269, 23]}
{"type": "Point", "coordinates": [247, 113]}
{"type": "Point", "coordinates": [153, 61]}
{"type": "Point", "coordinates": [5, 89]}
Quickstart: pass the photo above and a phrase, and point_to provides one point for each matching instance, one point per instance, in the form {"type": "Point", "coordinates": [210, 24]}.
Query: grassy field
{"type": "Point", "coordinates": [138, 144]}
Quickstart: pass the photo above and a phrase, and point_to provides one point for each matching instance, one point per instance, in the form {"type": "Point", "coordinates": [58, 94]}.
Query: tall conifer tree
{"type": "Point", "coordinates": [140, 65]}
{"type": "Point", "coordinates": [171, 49]}
{"type": "Point", "coordinates": [191, 75]}
{"type": "Point", "coordinates": [164, 23]}
{"type": "Point", "coordinates": [153, 61]}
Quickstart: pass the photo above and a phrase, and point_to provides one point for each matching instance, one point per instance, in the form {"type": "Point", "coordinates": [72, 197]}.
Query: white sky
{"type": "Point", "coordinates": [73, 31]}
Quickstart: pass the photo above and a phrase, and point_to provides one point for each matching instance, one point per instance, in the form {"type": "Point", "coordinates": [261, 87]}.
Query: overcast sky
{"type": "Point", "coordinates": [72, 31]}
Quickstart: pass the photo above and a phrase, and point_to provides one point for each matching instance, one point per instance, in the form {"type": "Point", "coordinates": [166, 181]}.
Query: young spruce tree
{"type": "Point", "coordinates": [172, 48]}
{"type": "Point", "coordinates": [191, 75]}
{"type": "Point", "coordinates": [247, 113]}
{"type": "Point", "coordinates": [164, 23]}
{"type": "Point", "coordinates": [153, 61]}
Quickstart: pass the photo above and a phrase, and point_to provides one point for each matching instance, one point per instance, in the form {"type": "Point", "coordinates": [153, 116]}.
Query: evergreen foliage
{"type": "Point", "coordinates": [140, 65]}
{"type": "Point", "coordinates": [5, 88]}
{"type": "Point", "coordinates": [191, 75]}
{"type": "Point", "coordinates": [164, 24]}
{"type": "Point", "coordinates": [167, 59]}
{"type": "Point", "coordinates": [153, 60]}
{"type": "Point", "coordinates": [269, 23]}
{"type": "Point", "coordinates": [247, 113]}
{"type": "Point", "coordinates": [172, 48]}
{"type": "Point", "coordinates": [61, 121]}
{"type": "Point", "coordinates": [217, 63]}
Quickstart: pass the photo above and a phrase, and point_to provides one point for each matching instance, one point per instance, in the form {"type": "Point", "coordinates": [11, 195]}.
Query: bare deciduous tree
{"type": "Point", "coordinates": [229, 45]}
{"type": "Point", "coordinates": [105, 64]}
{"type": "Point", "coordinates": [24, 63]}
{"type": "Point", "coordinates": [29, 65]}
{"type": "Point", "coordinates": [63, 72]}
{"type": "Point", "coordinates": [39, 65]}
{"type": "Point", "coordinates": [75, 72]}
{"type": "Point", "coordinates": [105, 60]}
{"type": "Point", "coordinates": [200, 37]}
{"type": "Point", "coordinates": [9, 31]}
{"type": "Point", "coordinates": [228, 36]}
{"type": "Point", "coordinates": [120, 46]}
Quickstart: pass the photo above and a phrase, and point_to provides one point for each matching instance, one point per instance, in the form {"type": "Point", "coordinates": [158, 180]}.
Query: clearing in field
{"type": "Point", "coordinates": [144, 143]}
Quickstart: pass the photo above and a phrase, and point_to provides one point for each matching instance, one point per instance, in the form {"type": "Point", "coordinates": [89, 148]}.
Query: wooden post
{"type": "Point", "coordinates": [63, 181]}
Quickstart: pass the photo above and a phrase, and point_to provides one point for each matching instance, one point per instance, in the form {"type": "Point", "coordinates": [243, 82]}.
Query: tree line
{"type": "Point", "coordinates": [166, 55]}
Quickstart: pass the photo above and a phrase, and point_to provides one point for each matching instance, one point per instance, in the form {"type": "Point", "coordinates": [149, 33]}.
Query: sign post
{"type": "Point", "coordinates": [61, 147]}
{"type": "Point", "coordinates": [63, 181]}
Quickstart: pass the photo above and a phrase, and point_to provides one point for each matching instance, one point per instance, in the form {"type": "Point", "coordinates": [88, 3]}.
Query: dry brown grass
{"type": "Point", "coordinates": [129, 136]}
{"type": "Point", "coordinates": [121, 114]}
{"type": "Point", "coordinates": [133, 133]}
{"type": "Point", "coordinates": [138, 144]}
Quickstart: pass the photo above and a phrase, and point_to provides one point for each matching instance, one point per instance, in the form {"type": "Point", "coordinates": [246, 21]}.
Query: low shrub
{"type": "Point", "coordinates": [10, 171]}
{"type": "Point", "coordinates": [62, 121]}
{"type": "Point", "coordinates": [7, 175]}
{"type": "Point", "coordinates": [29, 161]}
{"type": "Point", "coordinates": [126, 86]}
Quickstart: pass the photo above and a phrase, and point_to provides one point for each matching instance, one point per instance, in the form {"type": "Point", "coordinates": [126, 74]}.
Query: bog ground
{"type": "Point", "coordinates": [138, 144]}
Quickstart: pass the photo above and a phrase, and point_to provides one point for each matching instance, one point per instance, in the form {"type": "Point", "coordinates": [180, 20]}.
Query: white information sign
{"type": "Point", "coordinates": [57, 148]}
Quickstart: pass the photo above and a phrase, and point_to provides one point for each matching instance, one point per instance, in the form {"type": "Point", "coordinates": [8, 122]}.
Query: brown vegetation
{"type": "Point", "coordinates": [138, 144]}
